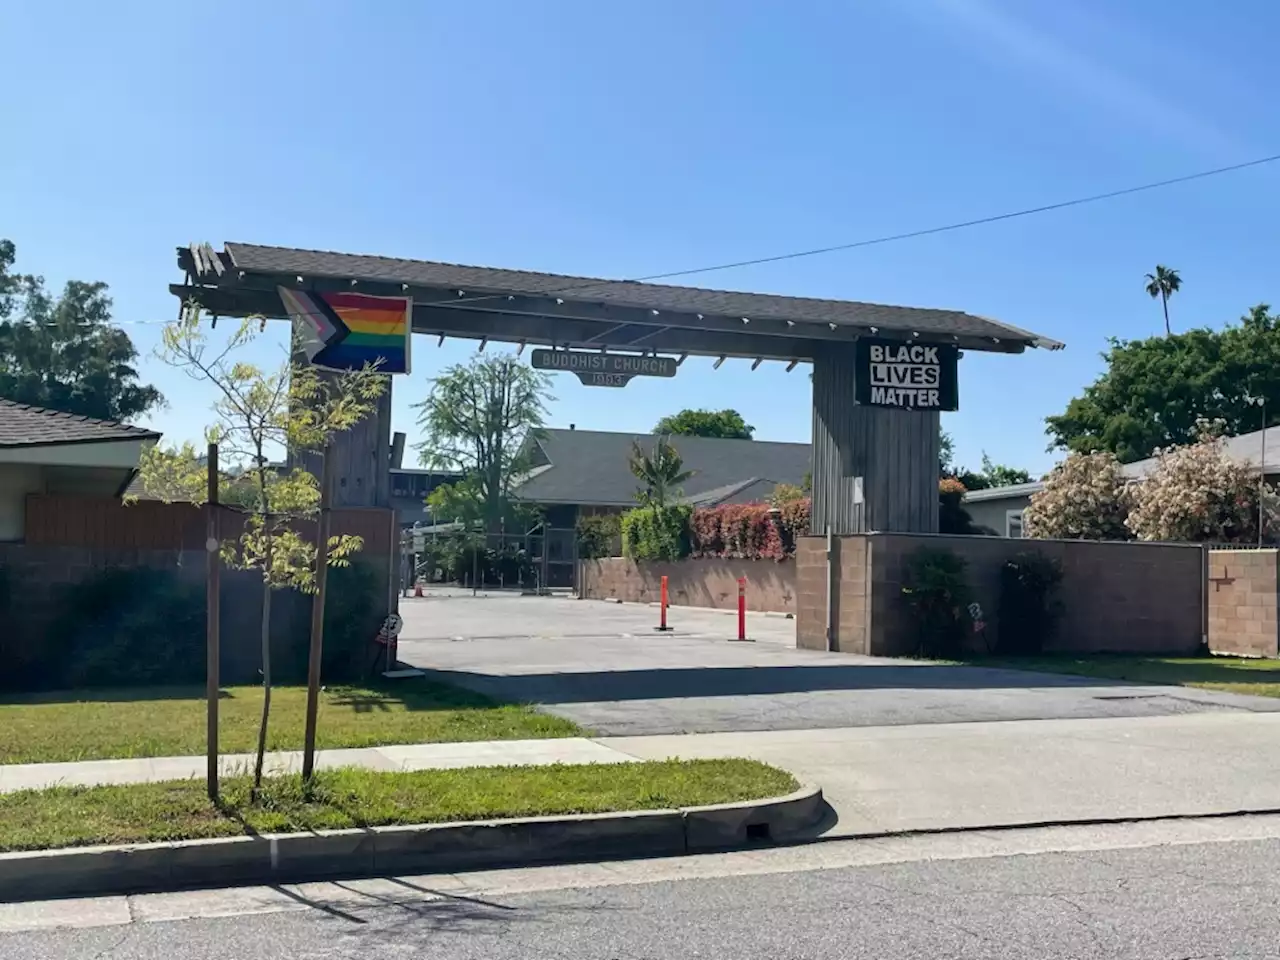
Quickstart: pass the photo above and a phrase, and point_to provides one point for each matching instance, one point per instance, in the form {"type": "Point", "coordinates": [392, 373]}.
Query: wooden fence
{"type": "Point", "coordinates": [104, 524]}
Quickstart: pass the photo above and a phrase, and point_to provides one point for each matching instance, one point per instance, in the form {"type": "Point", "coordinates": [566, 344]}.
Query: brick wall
{"type": "Point", "coordinates": [1243, 602]}
{"type": "Point", "coordinates": [710, 582]}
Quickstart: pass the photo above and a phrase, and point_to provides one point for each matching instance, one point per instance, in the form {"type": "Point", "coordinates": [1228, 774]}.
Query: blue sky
{"type": "Point", "coordinates": [624, 139]}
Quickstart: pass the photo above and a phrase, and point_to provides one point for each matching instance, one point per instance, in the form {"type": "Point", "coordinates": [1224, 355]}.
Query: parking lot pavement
{"type": "Point", "coordinates": [603, 666]}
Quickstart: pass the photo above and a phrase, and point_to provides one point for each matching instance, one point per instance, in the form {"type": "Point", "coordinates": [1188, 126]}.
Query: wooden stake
{"type": "Point", "coordinates": [317, 617]}
{"type": "Point", "coordinates": [213, 566]}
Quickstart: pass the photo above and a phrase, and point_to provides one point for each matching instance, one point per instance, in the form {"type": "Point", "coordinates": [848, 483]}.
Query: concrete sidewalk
{"type": "Point", "coordinates": [883, 779]}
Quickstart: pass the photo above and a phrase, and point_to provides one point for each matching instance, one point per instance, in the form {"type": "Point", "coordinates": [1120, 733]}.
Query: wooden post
{"type": "Point", "coordinates": [317, 616]}
{"type": "Point", "coordinates": [213, 593]}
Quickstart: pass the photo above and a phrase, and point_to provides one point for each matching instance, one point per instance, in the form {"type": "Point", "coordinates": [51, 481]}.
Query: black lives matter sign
{"type": "Point", "coordinates": [907, 376]}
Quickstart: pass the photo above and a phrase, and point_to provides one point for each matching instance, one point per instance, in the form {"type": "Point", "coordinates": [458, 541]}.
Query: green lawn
{"type": "Point", "coordinates": [179, 810]}
{"type": "Point", "coordinates": [159, 722]}
{"type": "Point", "coordinates": [1232, 674]}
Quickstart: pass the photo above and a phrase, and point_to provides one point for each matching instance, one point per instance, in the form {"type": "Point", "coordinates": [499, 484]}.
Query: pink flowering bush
{"type": "Point", "coordinates": [1086, 497]}
{"type": "Point", "coordinates": [1197, 492]}
{"type": "Point", "coordinates": [749, 531]}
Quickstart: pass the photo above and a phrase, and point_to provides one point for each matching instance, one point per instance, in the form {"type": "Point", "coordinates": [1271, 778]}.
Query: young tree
{"type": "Point", "coordinates": [1086, 497]}
{"type": "Point", "coordinates": [259, 412]}
{"type": "Point", "coordinates": [1164, 283]}
{"type": "Point", "coordinates": [477, 419]}
{"type": "Point", "coordinates": [62, 352]}
{"type": "Point", "coordinates": [1198, 493]}
{"type": "Point", "coordinates": [661, 471]}
{"type": "Point", "coordinates": [726, 424]}
{"type": "Point", "coordinates": [1154, 391]}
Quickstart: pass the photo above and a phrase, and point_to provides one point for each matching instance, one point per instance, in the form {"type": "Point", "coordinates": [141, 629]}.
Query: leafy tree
{"type": "Point", "coordinates": [1086, 497]}
{"type": "Point", "coordinates": [661, 471]}
{"type": "Point", "coordinates": [62, 352]}
{"type": "Point", "coordinates": [258, 411]}
{"type": "Point", "coordinates": [991, 474]}
{"type": "Point", "coordinates": [786, 493]}
{"type": "Point", "coordinates": [726, 424]}
{"type": "Point", "coordinates": [1164, 283]}
{"type": "Point", "coordinates": [946, 454]}
{"type": "Point", "coordinates": [478, 419]}
{"type": "Point", "coordinates": [1197, 492]}
{"type": "Point", "coordinates": [1155, 391]}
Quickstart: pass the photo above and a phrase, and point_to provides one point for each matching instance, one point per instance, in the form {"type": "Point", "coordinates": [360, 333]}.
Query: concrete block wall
{"type": "Point", "coordinates": [850, 570]}
{"type": "Point", "coordinates": [1117, 597]}
{"type": "Point", "coordinates": [1244, 600]}
{"type": "Point", "coordinates": [709, 582]}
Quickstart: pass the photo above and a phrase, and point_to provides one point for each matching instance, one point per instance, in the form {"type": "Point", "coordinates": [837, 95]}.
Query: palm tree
{"type": "Point", "coordinates": [660, 471]}
{"type": "Point", "coordinates": [1164, 283]}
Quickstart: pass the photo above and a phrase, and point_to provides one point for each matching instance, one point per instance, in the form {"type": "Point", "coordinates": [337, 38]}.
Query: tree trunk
{"type": "Point", "coordinates": [266, 670]}
{"type": "Point", "coordinates": [1164, 302]}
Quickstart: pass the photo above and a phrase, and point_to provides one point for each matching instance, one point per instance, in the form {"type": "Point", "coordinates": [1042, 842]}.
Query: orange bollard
{"type": "Point", "coordinates": [741, 608]}
{"type": "Point", "coordinates": [662, 616]}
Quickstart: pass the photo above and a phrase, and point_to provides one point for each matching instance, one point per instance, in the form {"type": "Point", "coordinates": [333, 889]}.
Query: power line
{"type": "Point", "coordinates": [891, 238]}
{"type": "Point", "coordinates": [855, 245]}
{"type": "Point", "coordinates": [1030, 211]}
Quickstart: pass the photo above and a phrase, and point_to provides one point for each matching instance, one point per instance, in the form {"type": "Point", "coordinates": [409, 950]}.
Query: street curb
{"type": "Point", "coordinates": [422, 848]}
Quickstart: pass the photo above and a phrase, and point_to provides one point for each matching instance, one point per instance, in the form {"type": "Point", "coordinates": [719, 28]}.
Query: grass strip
{"type": "Point", "coordinates": [179, 810]}
{"type": "Point", "coordinates": [167, 721]}
{"type": "Point", "coordinates": [1230, 674]}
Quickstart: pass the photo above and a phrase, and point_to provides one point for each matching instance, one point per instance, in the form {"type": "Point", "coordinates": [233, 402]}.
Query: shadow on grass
{"type": "Point", "coordinates": [109, 695]}
{"type": "Point", "coordinates": [408, 694]}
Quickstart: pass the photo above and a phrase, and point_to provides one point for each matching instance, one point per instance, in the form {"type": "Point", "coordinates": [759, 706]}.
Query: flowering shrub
{"type": "Point", "coordinates": [795, 516]}
{"type": "Point", "coordinates": [738, 530]}
{"type": "Point", "coordinates": [1086, 497]}
{"type": "Point", "coordinates": [1196, 492]}
{"type": "Point", "coordinates": [952, 516]}
{"type": "Point", "coordinates": [748, 531]}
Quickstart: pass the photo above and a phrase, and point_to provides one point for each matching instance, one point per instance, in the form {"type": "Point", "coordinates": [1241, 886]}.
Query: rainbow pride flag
{"type": "Point", "coordinates": [344, 331]}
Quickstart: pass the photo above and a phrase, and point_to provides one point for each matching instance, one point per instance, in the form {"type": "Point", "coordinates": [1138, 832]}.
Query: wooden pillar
{"type": "Point", "coordinates": [361, 455]}
{"type": "Point", "coordinates": [886, 458]}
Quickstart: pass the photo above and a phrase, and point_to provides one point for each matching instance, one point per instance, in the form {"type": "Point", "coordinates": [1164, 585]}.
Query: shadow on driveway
{"type": "Point", "coordinates": [683, 683]}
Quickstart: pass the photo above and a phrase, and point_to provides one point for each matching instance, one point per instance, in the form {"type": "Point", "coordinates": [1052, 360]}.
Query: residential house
{"type": "Point", "coordinates": [580, 472]}
{"type": "Point", "coordinates": [48, 452]}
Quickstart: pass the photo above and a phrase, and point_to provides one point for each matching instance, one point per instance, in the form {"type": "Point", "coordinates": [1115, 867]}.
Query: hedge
{"type": "Point", "coordinates": [747, 531]}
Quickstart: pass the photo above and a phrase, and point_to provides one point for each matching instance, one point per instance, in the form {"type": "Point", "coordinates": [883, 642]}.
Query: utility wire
{"type": "Point", "coordinates": [464, 301]}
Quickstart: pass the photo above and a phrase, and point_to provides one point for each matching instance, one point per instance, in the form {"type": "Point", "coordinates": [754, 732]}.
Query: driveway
{"type": "Point", "coordinates": [605, 667]}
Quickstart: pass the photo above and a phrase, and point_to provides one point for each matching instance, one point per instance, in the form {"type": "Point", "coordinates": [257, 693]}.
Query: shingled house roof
{"type": "Point", "coordinates": [479, 281]}
{"type": "Point", "coordinates": [591, 467]}
{"type": "Point", "coordinates": [22, 425]}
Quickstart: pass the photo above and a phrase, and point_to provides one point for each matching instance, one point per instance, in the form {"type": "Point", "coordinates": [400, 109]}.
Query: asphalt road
{"type": "Point", "coordinates": [603, 666]}
{"type": "Point", "coordinates": [937, 897]}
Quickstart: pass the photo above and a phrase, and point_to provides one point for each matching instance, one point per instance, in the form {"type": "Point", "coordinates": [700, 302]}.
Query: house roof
{"type": "Point", "coordinates": [497, 282]}
{"type": "Point", "coordinates": [1248, 448]}
{"type": "Point", "coordinates": [591, 467]}
{"type": "Point", "coordinates": [22, 425]}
